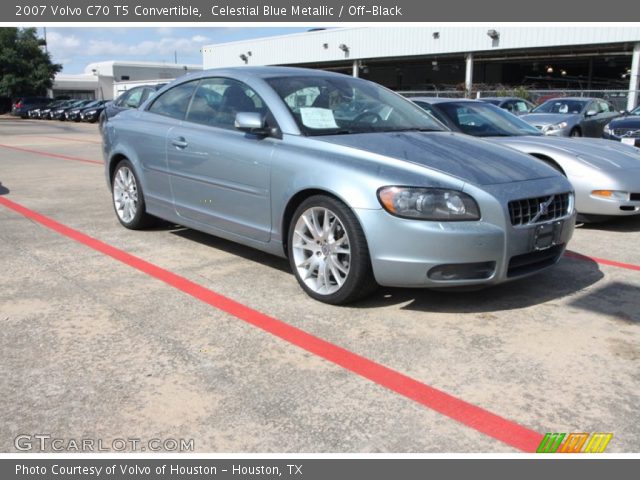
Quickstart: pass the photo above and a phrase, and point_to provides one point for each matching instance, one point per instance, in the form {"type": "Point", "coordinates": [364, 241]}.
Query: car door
{"type": "Point", "coordinates": [220, 176]}
{"type": "Point", "coordinates": [606, 113]}
{"type": "Point", "coordinates": [590, 120]}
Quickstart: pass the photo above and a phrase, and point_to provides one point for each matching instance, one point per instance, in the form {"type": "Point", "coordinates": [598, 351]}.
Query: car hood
{"type": "Point", "coordinates": [625, 122]}
{"type": "Point", "coordinates": [470, 159]}
{"type": "Point", "coordinates": [599, 153]}
{"type": "Point", "coordinates": [549, 118]}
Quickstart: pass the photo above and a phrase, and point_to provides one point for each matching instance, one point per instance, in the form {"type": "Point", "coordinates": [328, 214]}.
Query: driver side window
{"type": "Point", "coordinates": [217, 101]}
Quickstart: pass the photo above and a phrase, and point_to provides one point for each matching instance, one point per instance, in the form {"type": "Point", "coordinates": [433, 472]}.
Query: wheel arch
{"type": "Point", "coordinates": [294, 202]}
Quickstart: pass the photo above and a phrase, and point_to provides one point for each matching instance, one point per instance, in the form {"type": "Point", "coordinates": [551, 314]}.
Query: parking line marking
{"type": "Point", "coordinates": [602, 261]}
{"type": "Point", "coordinates": [482, 420]}
{"type": "Point", "coordinates": [70, 139]}
{"type": "Point", "coordinates": [49, 154]}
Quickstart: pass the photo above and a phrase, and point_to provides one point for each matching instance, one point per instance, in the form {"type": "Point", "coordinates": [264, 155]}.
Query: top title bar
{"type": "Point", "coordinates": [320, 11]}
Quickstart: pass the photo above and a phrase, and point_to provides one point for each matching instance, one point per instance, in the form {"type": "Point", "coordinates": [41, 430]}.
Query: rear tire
{"type": "Point", "coordinates": [328, 252]}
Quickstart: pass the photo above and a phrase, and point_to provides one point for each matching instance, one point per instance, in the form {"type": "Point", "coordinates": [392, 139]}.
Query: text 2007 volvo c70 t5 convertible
{"type": "Point", "coordinates": [356, 185]}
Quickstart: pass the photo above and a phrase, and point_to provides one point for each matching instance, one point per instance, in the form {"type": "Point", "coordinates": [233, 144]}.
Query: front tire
{"type": "Point", "coordinates": [128, 198]}
{"type": "Point", "coordinates": [576, 132]}
{"type": "Point", "coordinates": [328, 251]}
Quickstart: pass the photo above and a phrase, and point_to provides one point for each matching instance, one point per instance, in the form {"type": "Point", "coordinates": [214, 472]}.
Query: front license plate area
{"type": "Point", "coordinates": [629, 141]}
{"type": "Point", "coordinates": [547, 235]}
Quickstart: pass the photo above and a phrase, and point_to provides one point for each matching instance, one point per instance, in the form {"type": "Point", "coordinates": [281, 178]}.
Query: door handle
{"type": "Point", "coordinates": [179, 142]}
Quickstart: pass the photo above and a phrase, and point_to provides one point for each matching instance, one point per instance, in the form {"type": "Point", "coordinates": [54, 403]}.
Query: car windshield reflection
{"type": "Point", "coordinates": [338, 106]}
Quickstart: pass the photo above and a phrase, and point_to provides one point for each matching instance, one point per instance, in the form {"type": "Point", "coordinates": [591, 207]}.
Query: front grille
{"type": "Point", "coordinates": [530, 211]}
{"type": "Point", "coordinates": [534, 261]}
{"type": "Point", "coordinates": [626, 132]}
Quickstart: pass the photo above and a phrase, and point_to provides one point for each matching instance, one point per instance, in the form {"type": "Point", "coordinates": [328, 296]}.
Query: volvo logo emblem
{"type": "Point", "coordinates": [543, 209]}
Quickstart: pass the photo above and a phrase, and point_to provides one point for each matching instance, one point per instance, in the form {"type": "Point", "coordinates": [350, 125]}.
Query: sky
{"type": "Point", "coordinates": [75, 47]}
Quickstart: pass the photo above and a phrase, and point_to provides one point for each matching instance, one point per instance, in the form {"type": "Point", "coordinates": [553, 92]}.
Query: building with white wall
{"type": "Point", "coordinates": [447, 57]}
{"type": "Point", "coordinates": [100, 79]}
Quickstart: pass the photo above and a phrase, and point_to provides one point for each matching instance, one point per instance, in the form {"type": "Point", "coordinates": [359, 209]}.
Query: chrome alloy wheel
{"type": "Point", "coordinates": [321, 250]}
{"type": "Point", "coordinates": [125, 194]}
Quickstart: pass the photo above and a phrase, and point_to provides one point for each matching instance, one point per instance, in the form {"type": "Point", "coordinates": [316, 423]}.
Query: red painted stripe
{"type": "Point", "coordinates": [53, 155]}
{"type": "Point", "coordinates": [70, 139]}
{"type": "Point", "coordinates": [470, 415]}
{"type": "Point", "coordinates": [602, 261]}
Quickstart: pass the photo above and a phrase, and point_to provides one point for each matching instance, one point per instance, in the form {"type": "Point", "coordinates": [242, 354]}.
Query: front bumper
{"type": "Point", "coordinates": [409, 253]}
{"type": "Point", "coordinates": [634, 141]}
{"type": "Point", "coordinates": [589, 204]}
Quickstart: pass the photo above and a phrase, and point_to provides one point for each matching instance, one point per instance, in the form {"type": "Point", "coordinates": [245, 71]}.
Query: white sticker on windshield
{"type": "Point", "coordinates": [314, 117]}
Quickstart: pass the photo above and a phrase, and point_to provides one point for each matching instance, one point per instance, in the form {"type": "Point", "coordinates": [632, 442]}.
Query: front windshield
{"type": "Point", "coordinates": [559, 105]}
{"type": "Point", "coordinates": [327, 105]}
{"type": "Point", "coordinates": [635, 112]}
{"type": "Point", "coordinates": [482, 119]}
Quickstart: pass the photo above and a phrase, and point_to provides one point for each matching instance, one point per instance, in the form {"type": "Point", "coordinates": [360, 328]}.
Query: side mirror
{"type": "Point", "coordinates": [251, 122]}
{"type": "Point", "coordinates": [624, 112]}
{"type": "Point", "coordinates": [591, 113]}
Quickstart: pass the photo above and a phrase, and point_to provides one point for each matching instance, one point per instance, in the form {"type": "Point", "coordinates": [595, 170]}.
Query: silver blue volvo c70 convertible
{"type": "Point", "coordinates": [356, 185]}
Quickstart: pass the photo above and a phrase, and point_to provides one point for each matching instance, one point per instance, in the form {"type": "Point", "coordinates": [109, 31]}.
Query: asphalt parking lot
{"type": "Point", "coordinates": [101, 345]}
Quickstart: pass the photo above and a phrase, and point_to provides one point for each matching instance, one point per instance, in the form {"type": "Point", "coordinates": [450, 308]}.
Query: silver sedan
{"type": "Point", "coordinates": [605, 175]}
{"type": "Point", "coordinates": [572, 117]}
{"type": "Point", "coordinates": [354, 184]}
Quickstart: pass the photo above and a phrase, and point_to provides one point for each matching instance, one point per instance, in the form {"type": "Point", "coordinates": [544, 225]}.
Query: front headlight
{"type": "Point", "coordinates": [428, 203]}
{"type": "Point", "coordinates": [557, 126]}
{"type": "Point", "coordinates": [90, 112]}
{"type": "Point", "coordinates": [607, 129]}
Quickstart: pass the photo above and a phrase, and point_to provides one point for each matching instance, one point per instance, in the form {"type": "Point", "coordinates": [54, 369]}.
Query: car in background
{"type": "Point", "coordinates": [129, 99]}
{"type": "Point", "coordinates": [22, 106]}
{"type": "Point", "coordinates": [73, 113]}
{"type": "Point", "coordinates": [37, 113]}
{"type": "Point", "coordinates": [383, 194]}
{"type": "Point", "coordinates": [91, 112]}
{"type": "Point", "coordinates": [60, 113]}
{"type": "Point", "coordinates": [572, 117]}
{"type": "Point", "coordinates": [605, 175]}
{"type": "Point", "coordinates": [47, 113]}
{"type": "Point", "coordinates": [515, 105]}
{"type": "Point", "coordinates": [625, 129]}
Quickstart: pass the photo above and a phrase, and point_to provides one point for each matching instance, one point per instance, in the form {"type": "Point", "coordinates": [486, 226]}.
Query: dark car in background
{"type": "Point", "coordinates": [625, 129]}
{"type": "Point", "coordinates": [60, 113]}
{"type": "Point", "coordinates": [47, 113]}
{"type": "Point", "coordinates": [515, 105]}
{"type": "Point", "coordinates": [22, 106]}
{"type": "Point", "coordinates": [90, 112]}
{"type": "Point", "coordinates": [73, 113]}
{"type": "Point", "coordinates": [129, 99]}
{"type": "Point", "coordinates": [572, 116]}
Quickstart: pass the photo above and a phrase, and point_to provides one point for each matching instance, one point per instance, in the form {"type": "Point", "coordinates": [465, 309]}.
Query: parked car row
{"type": "Point", "coordinates": [71, 110]}
{"type": "Point", "coordinates": [575, 117]}
{"type": "Point", "coordinates": [81, 110]}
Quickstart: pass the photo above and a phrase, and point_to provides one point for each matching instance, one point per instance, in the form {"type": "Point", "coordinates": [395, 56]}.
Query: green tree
{"type": "Point", "coordinates": [25, 69]}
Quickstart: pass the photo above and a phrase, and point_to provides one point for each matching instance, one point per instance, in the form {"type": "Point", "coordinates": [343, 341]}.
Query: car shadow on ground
{"type": "Point", "coordinates": [566, 278]}
{"type": "Point", "coordinates": [617, 299]}
{"type": "Point", "coordinates": [229, 247]}
{"type": "Point", "coordinates": [3, 190]}
{"type": "Point", "coordinates": [620, 224]}
{"type": "Point", "coordinates": [570, 276]}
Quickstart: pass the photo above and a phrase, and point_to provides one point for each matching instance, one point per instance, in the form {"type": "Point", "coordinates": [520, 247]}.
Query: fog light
{"type": "Point", "coordinates": [462, 271]}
